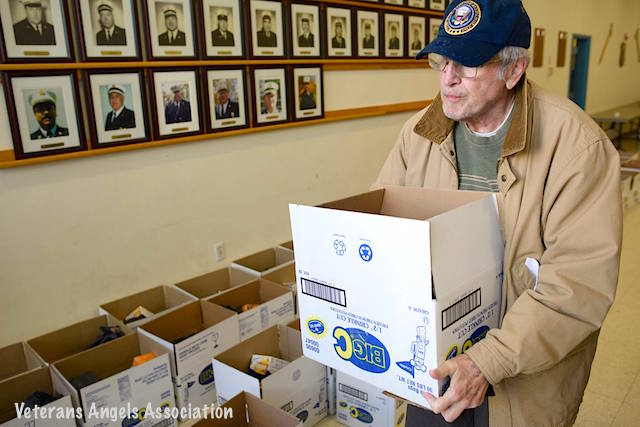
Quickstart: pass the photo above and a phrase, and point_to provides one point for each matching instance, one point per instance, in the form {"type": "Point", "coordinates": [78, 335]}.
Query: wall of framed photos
{"type": "Point", "coordinates": [119, 72]}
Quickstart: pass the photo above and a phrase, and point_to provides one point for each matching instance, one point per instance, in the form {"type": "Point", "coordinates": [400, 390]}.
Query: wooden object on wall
{"type": "Point", "coordinates": [562, 48]}
{"type": "Point", "coordinates": [538, 47]}
{"type": "Point", "coordinates": [637, 38]}
{"type": "Point", "coordinates": [606, 43]}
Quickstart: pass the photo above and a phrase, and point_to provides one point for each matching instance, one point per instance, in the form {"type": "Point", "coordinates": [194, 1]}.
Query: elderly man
{"type": "Point", "coordinates": [221, 36]}
{"type": "Point", "coordinates": [34, 29]}
{"type": "Point", "coordinates": [110, 34]}
{"type": "Point", "coordinates": [178, 110]}
{"type": "Point", "coordinates": [225, 108]}
{"type": "Point", "coordinates": [120, 117]}
{"type": "Point", "coordinates": [557, 178]}
{"type": "Point", "coordinates": [269, 98]}
{"type": "Point", "coordinates": [173, 36]}
{"type": "Point", "coordinates": [266, 38]}
{"type": "Point", "coordinates": [43, 103]}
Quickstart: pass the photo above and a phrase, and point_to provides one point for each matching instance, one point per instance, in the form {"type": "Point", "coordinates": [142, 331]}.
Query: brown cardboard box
{"type": "Point", "coordinates": [285, 275]}
{"type": "Point", "coordinates": [217, 281]}
{"type": "Point", "coordinates": [287, 245]}
{"type": "Point", "coordinates": [265, 261]}
{"type": "Point", "coordinates": [16, 359]}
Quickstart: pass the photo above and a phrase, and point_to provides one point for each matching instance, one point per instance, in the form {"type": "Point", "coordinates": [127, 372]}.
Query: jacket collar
{"type": "Point", "coordinates": [435, 126]}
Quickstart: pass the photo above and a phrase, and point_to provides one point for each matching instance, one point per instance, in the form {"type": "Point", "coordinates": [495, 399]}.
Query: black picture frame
{"type": "Point", "coordinates": [358, 36]}
{"type": "Point", "coordinates": [171, 55]}
{"type": "Point", "coordinates": [241, 33]}
{"type": "Point", "coordinates": [399, 3]}
{"type": "Point", "coordinates": [178, 130]}
{"type": "Point", "coordinates": [284, 33]}
{"type": "Point", "coordinates": [107, 55]}
{"type": "Point", "coordinates": [402, 43]}
{"type": "Point", "coordinates": [417, 4]}
{"type": "Point", "coordinates": [424, 21]}
{"type": "Point", "coordinates": [284, 83]}
{"type": "Point", "coordinates": [91, 109]}
{"type": "Point", "coordinates": [319, 38]}
{"type": "Point", "coordinates": [438, 5]}
{"type": "Point", "coordinates": [327, 35]}
{"type": "Point", "coordinates": [294, 90]}
{"type": "Point", "coordinates": [12, 108]}
{"type": "Point", "coordinates": [36, 55]}
{"type": "Point", "coordinates": [209, 108]}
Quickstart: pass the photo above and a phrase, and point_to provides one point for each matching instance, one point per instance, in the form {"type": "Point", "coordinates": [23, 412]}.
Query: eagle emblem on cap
{"type": "Point", "coordinates": [463, 18]}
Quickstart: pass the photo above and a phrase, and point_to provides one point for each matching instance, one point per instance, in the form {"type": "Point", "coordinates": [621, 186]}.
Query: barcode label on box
{"type": "Point", "coordinates": [324, 292]}
{"type": "Point", "coordinates": [460, 309]}
{"type": "Point", "coordinates": [124, 388]}
{"type": "Point", "coordinates": [353, 392]}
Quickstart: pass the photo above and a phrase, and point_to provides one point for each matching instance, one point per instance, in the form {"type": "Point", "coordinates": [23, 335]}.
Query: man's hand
{"type": "Point", "coordinates": [467, 389]}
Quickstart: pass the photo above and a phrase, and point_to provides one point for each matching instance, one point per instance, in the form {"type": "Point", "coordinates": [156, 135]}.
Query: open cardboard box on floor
{"type": "Point", "coordinates": [249, 411]}
{"type": "Point", "coordinates": [298, 388]}
{"type": "Point", "coordinates": [206, 329]}
{"type": "Point", "coordinates": [210, 284]}
{"type": "Point", "coordinates": [16, 359]}
{"type": "Point", "coordinates": [274, 305]}
{"type": "Point", "coordinates": [287, 245]}
{"type": "Point", "coordinates": [72, 339]}
{"type": "Point", "coordinates": [265, 261]}
{"type": "Point", "coordinates": [15, 390]}
{"type": "Point", "coordinates": [359, 403]}
{"type": "Point", "coordinates": [119, 383]}
{"type": "Point", "coordinates": [285, 275]}
{"type": "Point", "coordinates": [393, 282]}
{"type": "Point", "coordinates": [157, 300]}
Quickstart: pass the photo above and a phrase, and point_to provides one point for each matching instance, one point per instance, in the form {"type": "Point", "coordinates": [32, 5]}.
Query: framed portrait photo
{"type": "Point", "coordinates": [394, 36]}
{"type": "Point", "coordinates": [270, 95]}
{"type": "Point", "coordinates": [44, 110]}
{"type": "Point", "coordinates": [170, 30]}
{"type": "Point", "coordinates": [35, 31]}
{"type": "Point", "coordinates": [419, 4]}
{"type": "Point", "coordinates": [307, 93]}
{"type": "Point", "coordinates": [305, 30]}
{"type": "Point", "coordinates": [108, 30]}
{"type": "Point", "coordinates": [368, 34]}
{"type": "Point", "coordinates": [117, 108]}
{"type": "Point", "coordinates": [339, 35]}
{"type": "Point", "coordinates": [223, 28]}
{"type": "Point", "coordinates": [175, 101]}
{"type": "Point", "coordinates": [267, 28]}
{"type": "Point", "coordinates": [434, 26]}
{"type": "Point", "coordinates": [227, 99]}
{"type": "Point", "coordinates": [416, 29]}
{"type": "Point", "coordinates": [437, 5]}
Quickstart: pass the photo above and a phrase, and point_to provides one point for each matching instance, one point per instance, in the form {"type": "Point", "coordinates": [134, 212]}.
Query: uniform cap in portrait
{"type": "Point", "coordinates": [170, 11]}
{"type": "Point", "coordinates": [306, 79]}
{"type": "Point", "coordinates": [222, 86]}
{"type": "Point", "coordinates": [115, 89]}
{"type": "Point", "coordinates": [222, 17]}
{"type": "Point", "coordinates": [305, 20]}
{"type": "Point", "coordinates": [338, 24]}
{"type": "Point", "coordinates": [32, 3]}
{"type": "Point", "coordinates": [105, 5]}
{"type": "Point", "coordinates": [270, 88]}
{"type": "Point", "coordinates": [42, 96]}
{"type": "Point", "coordinates": [176, 88]}
{"type": "Point", "coordinates": [266, 17]}
{"type": "Point", "coordinates": [367, 26]}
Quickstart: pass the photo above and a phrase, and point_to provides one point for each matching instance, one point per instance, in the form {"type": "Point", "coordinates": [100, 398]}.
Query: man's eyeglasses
{"type": "Point", "coordinates": [439, 62]}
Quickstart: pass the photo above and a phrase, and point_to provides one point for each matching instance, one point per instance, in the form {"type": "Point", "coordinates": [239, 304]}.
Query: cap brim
{"type": "Point", "coordinates": [470, 53]}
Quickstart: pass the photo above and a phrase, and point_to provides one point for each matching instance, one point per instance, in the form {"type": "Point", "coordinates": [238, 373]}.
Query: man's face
{"type": "Point", "coordinates": [106, 18]}
{"type": "Point", "coordinates": [305, 26]}
{"type": "Point", "coordinates": [171, 22]}
{"type": "Point", "coordinates": [266, 24]}
{"type": "Point", "coordinates": [34, 14]}
{"type": "Point", "coordinates": [223, 24]}
{"type": "Point", "coordinates": [305, 87]}
{"type": "Point", "coordinates": [465, 99]}
{"type": "Point", "coordinates": [338, 30]}
{"type": "Point", "coordinates": [45, 113]}
{"type": "Point", "coordinates": [116, 100]}
{"type": "Point", "coordinates": [177, 96]}
{"type": "Point", "coordinates": [270, 102]}
{"type": "Point", "coordinates": [223, 96]}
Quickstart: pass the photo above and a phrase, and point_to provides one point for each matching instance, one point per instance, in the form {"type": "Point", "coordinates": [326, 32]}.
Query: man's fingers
{"type": "Point", "coordinates": [443, 403]}
{"type": "Point", "coordinates": [430, 397]}
{"type": "Point", "coordinates": [445, 370]}
{"type": "Point", "coordinates": [453, 412]}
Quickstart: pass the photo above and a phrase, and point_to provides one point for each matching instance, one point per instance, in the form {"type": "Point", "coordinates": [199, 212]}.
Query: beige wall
{"type": "Point", "coordinates": [78, 233]}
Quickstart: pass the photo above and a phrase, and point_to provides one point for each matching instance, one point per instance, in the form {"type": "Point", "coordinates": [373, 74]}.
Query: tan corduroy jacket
{"type": "Point", "coordinates": [559, 203]}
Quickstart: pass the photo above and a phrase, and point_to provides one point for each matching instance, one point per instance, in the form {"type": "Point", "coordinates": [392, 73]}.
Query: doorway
{"type": "Point", "coordinates": [580, 47]}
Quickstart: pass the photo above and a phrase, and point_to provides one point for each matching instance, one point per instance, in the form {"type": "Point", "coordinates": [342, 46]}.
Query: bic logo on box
{"type": "Point", "coordinates": [362, 349]}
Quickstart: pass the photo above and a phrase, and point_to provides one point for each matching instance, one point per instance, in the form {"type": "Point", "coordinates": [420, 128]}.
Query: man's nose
{"type": "Point", "coordinates": [449, 77]}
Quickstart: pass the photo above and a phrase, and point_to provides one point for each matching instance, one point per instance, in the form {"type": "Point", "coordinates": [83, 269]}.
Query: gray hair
{"type": "Point", "coordinates": [508, 56]}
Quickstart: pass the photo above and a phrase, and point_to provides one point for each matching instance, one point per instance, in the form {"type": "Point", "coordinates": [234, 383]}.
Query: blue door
{"type": "Point", "coordinates": [580, 46]}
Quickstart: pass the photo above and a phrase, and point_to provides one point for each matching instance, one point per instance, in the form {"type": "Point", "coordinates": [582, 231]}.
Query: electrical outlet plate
{"type": "Point", "coordinates": [218, 251]}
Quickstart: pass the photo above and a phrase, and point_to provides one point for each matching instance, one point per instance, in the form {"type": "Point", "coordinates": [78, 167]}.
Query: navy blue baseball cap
{"type": "Point", "coordinates": [473, 31]}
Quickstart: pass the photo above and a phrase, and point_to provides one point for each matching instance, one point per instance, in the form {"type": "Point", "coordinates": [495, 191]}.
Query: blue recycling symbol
{"type": "Point", "coordinates": [365, 252]}
{"type": "Point", "coordinates": [340, 247]}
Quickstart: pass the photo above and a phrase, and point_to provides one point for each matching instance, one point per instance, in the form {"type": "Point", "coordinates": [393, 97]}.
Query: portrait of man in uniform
{"type": "Point", "coordinates": [307, 94]}
{"type": "Point", "coordinates": [338, 39]}
{"type": "Point", "coordinates": [172, 36]}
{"type": "Point", "coordinates": [226, 108]}
{"type": "Point", "coordinates": [120, 117]}
{"type": "Point", "coordinates": [266, 37]}
{"type": "Point", "coordinates": [305, 38]}
{"type": "Point", "coordinates": [221, 36]}
{"type": "Point", "coordinates": [416, 43]}
{"type": "Point", "coordinates": [270, 98]}
{"type": "Point", "coordinates": [394, 41]}
{"type": "Point", "coordinates": [43, 103]}
{"type": "Point", "coordinates": [368, 41]}
{"type": "Point", "coordinates": [110, 34]}
{"type": "Point", "coordinates": [178, 109]}
{"type": "Point", "coordinates": [34, 28]}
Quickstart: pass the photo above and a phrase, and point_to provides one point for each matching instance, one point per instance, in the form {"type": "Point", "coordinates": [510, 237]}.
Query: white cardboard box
{"type": "Point", "coordinates": [16, 389]}
{"type": "Point", "coordinates": [393, 282]}
{"type": "Point", "coordinates": [274, 305]}
{"type": "Point", "coordinates": [158, 300]}
{"type": "Point", "coordinates": [360, 404]}
{"type": "Point", "coordinates": [212, 329]}
{"type": "Point", "coordinates": [119, 385]}
{"type": "Point", "coordinates": [265, 261]}
{"type": "Point", "coordinates": [299, 388]}
{"type": "Point", "coordinates": [16, 359]}
{"type": "Point", "coordinates": [210, 284]}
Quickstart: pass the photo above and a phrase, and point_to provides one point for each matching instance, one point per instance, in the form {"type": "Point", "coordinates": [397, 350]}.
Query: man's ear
{"type": "Point", "coordinates": [514, 73]}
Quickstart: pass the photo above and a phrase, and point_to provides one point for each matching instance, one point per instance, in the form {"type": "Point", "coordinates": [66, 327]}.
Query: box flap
{"type": "Point", "coordinates": [287, 245]}
{"type": "Point", "coordinates": [260, 414]}
{"type": "Point", "coordinates": [259, 261]}
{"type": "Point", "coordinates": [270, 290]}
{"type": "Point", "coordinates": [370, 202]}
{"type": "Point", "coordinates": [217, 281]}
{"type": "Point", "coordinates": [177, 323]}
{"type": "Point", "coordinates": [423, 203]}
{"type": "Point", "coordinates": [283, 275]}
{"type": "Point", "coordinates": [14, 390]}
{"type": "Point", "coordinates": [248, 293]}
{"type": "Point", "coordinates": [463, 239]}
